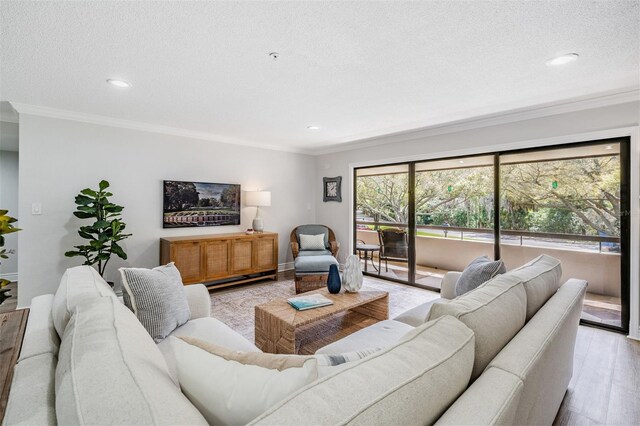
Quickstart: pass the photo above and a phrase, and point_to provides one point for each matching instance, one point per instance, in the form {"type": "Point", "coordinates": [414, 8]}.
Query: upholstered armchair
{"type": "Point", "coordinates": [331, 245]}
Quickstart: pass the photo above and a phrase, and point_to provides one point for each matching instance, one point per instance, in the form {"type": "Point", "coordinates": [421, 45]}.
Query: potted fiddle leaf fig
{"type": "Point", "coordinates": [6, 227]}
{"type": "Point", "coordinates": [106, 231]}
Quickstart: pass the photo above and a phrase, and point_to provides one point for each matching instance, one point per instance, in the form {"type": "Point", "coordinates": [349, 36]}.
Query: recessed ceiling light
{"type": "Point", "coordinates": [608, 147]}
{"type": "Point", "coordinates": [118, 83]}
{"type": "Point", "coordinates": [562, 59]}
{"type": "Point", "coordinates": [313, 127]}
{"type": "Point", "coordinates": [461, 161]}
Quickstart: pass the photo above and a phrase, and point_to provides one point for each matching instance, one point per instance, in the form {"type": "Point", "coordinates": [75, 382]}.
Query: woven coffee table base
{"type": "Point", "coordinates": [310, 282]}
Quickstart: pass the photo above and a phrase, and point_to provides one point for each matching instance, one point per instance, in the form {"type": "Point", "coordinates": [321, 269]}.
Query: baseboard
{"type": "Point", "coordinates": [13, 276]}
{"type": "Point", "coordinates": [635, 337]}
{"type": "Point", "coordinates": [287, 266]}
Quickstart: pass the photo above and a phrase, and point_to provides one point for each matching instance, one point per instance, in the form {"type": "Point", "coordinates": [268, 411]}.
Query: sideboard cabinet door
{"type": "Point", "coordinates": [187, 257]}
{"type": "Point", "coordinates": [217, 256]}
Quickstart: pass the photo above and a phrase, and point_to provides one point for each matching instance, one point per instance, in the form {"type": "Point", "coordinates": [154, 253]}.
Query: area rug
{"type": "Point", "coordinates": [235, 307]}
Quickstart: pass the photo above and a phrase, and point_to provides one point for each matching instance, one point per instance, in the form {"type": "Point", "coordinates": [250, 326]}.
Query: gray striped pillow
{"type": "Point", "coordinates": [157, 297]}
{"type": "Point", "coordinates": [479, 271]}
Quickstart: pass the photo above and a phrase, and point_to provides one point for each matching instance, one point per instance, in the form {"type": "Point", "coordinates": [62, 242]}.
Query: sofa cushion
{"type": "Point", "coordinates": [40, 336]}
{"type": "Point", "coordinates": [495, 311]}
{"type": "Point", "coordinates": [418, 315]}
{"type": "Point", "coordinates": [209, 330]}
{"type": "Point", "coordinates": [312, 242]}
{"type": "Point", "coordinates": [228, 392]}
{"type": "Point", "coordinates": [412, 382]}
{"type": "Point", "coordinates": [110, 372]}
{"type": "Point", "coordinates": [157, 297]}
{"type": "Point", "coordinates": [32, 398]}
{"type": "Point", "coordinates": [378, 335]}
{"type": "Point", "coordinates": [313, 230]}
{"type": "Point", "coordinates": [314, 264]}
{"type": "Point", "coordinates": [78, 285]}
{"type": "Point", "coordinates": [542, 353]}
{"type": "Point", "coordinates": [478, 272]}
{"type": "Point", "coordinates": [541, 279]}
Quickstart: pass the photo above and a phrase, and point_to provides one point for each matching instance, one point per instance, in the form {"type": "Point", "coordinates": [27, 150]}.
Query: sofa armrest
{"type": "Point", "coordinates": [198, 300]}
{"type": "Point", "coordinates": [491, 400]}
{"type": "Point", "coordinates": [448, 287]}
{"type": "Point", "coordinates": [295, 249]}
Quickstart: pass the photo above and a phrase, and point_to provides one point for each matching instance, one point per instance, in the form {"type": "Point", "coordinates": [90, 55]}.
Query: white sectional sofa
{"type": "Point", "coordinates": [501, 354]}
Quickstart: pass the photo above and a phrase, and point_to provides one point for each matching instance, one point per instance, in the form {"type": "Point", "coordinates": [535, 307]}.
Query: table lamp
{"type": "Point", "coordinates": [258, 199]}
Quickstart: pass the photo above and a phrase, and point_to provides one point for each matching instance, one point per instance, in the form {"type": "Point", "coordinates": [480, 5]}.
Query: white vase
{"type": "Point", "coordinates": [352, 278]}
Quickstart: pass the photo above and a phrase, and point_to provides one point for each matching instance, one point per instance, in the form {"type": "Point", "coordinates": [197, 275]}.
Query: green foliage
{"type": "Point", "coordinates": [6, 227]}
{"type": "Point", "coordinates": [105, 233]}
{"type": "Point", "coordinates": [585, 199]}
{"type": "Point", "coordinates": [180, 195]}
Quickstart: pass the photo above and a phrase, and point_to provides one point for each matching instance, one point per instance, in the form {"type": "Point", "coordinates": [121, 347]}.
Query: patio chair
{"type": "Point", "coordinates": [394, 246]}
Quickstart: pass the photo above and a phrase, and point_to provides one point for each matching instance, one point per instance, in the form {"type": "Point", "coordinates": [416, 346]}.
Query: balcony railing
{"type": "Point", "coordinates": [503, 232]}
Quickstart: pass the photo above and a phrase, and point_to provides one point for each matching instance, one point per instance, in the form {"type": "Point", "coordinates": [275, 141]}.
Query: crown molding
{"type": "Point", "coordinates": [621, 96]}
{"type": "Point", "coordinates": [141, 126]}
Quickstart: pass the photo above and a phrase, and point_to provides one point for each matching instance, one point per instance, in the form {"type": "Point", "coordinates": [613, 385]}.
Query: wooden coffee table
{"type": "Point", "coordinates": [279, 326]}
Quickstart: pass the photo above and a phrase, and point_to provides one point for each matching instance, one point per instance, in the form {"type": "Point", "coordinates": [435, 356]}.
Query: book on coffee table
{"type": "Point", "coordinates": [310, 301]}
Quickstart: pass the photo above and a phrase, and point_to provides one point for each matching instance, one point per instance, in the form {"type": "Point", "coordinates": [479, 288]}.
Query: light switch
{"type": "Point", "coordinates": [36, 208]}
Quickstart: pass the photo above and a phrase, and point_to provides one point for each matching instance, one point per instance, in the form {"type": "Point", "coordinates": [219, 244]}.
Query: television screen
{"type": "Point", "coordinates": [192, 204]}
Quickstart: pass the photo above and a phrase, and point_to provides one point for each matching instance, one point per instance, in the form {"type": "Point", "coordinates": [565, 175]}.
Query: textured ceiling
{"type": "Point", "coordinates": [357, 69]}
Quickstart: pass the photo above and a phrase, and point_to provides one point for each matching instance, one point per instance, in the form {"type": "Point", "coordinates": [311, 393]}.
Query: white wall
{"type": "Point", "coordinates": [58, 158]}
{"type": "Point", "coordinates": [504, 136]}
{"type": "Point", "coordinates": [9, 201]}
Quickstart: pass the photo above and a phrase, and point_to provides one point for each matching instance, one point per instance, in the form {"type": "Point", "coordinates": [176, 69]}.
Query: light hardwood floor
{"type": "Point", "coordinates": [605, 387]}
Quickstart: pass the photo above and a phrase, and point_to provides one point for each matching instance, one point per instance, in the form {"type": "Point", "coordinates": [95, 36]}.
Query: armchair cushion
{"type": "Point", "coordinates": [314, 230]}
{"type": "Point", "coordinates": [314, 253]}
{"type": "Point", "coordinates": [312, 242]}
{"type": "Point", "coordinates": [314, 264]}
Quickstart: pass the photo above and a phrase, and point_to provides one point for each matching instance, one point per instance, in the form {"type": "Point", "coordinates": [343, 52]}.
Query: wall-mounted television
{"type": "Point", "coordinates": [198, 204]}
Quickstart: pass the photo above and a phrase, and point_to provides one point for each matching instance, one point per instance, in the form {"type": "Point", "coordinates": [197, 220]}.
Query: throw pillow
{"type": "Point", "coordinates": [479, 271]}
{"type": "Point", "coordinates": [229, 392]}
{"type": "Point", "coordinates": [312, 242]}
{"type": "Point", "coordinates": [157, 297]}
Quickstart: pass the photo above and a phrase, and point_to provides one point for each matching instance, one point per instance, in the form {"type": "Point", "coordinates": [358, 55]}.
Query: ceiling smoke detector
{"type": "Point", "coordinates": [274, 55]}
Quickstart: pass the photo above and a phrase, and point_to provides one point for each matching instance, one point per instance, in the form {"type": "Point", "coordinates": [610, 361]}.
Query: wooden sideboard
{"type": "Point", "coordinates": [222, 259]}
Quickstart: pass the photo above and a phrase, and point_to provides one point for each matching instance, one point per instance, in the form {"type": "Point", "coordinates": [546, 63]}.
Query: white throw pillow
{"type": "Point", "coordinates": [157, 297]}
{"type": "Point", "coordinates": [312, 242]}
{"type": "Point", "coordinates": [230, 393]}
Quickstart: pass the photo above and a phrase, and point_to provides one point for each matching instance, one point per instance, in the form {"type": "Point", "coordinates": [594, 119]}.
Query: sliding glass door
{"type": "Point", "coordinates": [417, 220]}
{"type": "Point", "coordinates": [569, 203]}
{"type": "Point", "coordinates": [454, 215]}
{"type": "Point", "coordinates": [382, 220]}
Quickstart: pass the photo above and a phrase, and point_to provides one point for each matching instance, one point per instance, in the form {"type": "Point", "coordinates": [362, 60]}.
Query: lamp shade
{"type": "Point", "coordinates": [257, 198]}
